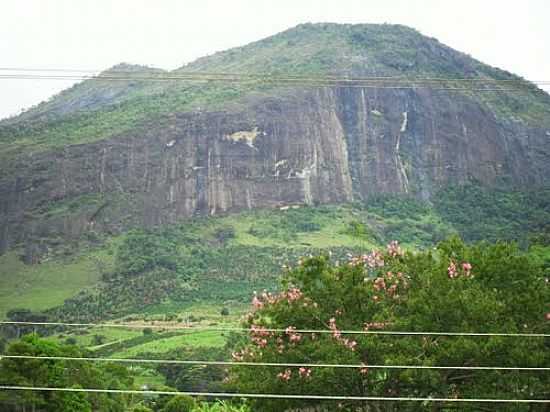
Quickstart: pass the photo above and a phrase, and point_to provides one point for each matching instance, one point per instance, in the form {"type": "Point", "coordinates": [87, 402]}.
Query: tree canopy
{"type": "Point", "coordinates": [61, 374]}
{"type": "Point", "coordinates": [453, 288]}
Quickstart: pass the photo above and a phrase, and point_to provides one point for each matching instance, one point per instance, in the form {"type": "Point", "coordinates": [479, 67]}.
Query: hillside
{"type": "Point", "coordinates": [134, 150]}
{"type": "Point", "coordinates": [140, 149]}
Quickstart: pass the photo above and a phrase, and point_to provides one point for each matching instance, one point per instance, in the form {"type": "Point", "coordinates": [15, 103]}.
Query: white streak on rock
{"type": "Point", "coordinates": [404, 124]}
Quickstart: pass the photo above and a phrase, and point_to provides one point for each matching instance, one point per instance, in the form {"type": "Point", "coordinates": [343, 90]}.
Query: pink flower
{"type": "Point", "coordinates": [467, 268]}
{"type": "Point", "coordinates": [350, 344]}
{"type": "Point", "coordinates": [364, 369]}
{"type": "Point", "coordinates": [374, 259]}
{"type": "Point", "coordinates": [392, 289]}
{"type": "Point", "coordinates": [548, 316]}
{"type": "Point", "coordinates": [257, 303]}
{"type": "Point", "coordinates": [259, 331]}
{"type": "Point", "coordinates": [379, 284]}
{"type": "Point", "coordinates": [293, 294]}
{"type": "Point", "coordinates": [394, 249]}
{"type": "Point", "coordinates": [332, 326]}
{"type": "Point", "coordinates": [285, 376]}
{"type": "Point", "coordinates": [304, 372]}
{"type": "Point", "coordinates": [451, 270]}
{"type": "Point", "coordinates": [292, 335]}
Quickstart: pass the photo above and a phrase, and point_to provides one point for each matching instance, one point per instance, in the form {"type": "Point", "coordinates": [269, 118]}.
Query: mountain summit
{"type": "Point", "coordinates": [269, 124]}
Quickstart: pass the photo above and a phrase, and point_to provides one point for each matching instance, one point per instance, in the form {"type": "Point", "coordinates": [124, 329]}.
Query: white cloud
{"type": "Point", "coordinates": [98, 34]}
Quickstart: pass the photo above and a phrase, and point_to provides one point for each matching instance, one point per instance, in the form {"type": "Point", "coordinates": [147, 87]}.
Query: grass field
{"type": "Point", "coordinates": [207, 339]}
{"type": "Point", "coordinates": [39, 287]}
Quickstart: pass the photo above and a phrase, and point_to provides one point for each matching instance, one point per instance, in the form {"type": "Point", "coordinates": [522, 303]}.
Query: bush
{"type": "Point", "coordinates": [221, 406]}
{"type": "Point", "coordinates": [180, 403]}
{"type": "Point", "coordinates": [98, 339]}
{"type": "Point", "coordinates": [70, 341]}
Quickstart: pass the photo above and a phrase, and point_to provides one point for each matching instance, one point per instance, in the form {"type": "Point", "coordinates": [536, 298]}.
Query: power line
{"type": "Point", "coordinates": [185, 74]}
{"type": "Point", "coordinates": [274, 330]}
{"type": "Point", "coordinates": [277, 396]}
{"type": "Point", "coordinates": [276, 364]}
{"type": "Point", "coordinates": [345, 83]}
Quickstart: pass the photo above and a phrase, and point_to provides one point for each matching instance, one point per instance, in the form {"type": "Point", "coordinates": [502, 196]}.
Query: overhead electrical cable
{"type": "Point", "coordinates": [305, 82]}
{"type": "Point", "coordinates": [274, 330]}
{"type": "Point", "coordinates": [276, 396]}
{"type": "Point", "coordinates": [284, 76]}
{"type": "Point", "coordinates": [274, 364]}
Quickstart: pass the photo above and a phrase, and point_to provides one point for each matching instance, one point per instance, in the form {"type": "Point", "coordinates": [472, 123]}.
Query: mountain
{"type": "Point", "coordinates": [140, 148]}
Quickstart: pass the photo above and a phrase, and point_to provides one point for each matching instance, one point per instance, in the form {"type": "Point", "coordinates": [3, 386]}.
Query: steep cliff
{"type": "Point", "coordinates": [102, 159]}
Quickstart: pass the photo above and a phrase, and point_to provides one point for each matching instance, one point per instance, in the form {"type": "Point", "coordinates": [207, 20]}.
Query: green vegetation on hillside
{"type": "Point", "coordinates": [223, 259]}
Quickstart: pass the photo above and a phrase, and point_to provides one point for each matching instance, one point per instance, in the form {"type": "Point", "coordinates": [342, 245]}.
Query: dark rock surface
{"type": "Point", "coordinates": [320, 145]}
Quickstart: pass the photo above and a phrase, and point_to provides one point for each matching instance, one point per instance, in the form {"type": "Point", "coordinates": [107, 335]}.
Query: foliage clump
{"type": "Point", "coordinates": [455, 288]}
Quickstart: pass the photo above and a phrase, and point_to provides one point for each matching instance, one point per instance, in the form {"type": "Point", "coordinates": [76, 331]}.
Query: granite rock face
{"type": "Point", "coordinates": [323, 145]}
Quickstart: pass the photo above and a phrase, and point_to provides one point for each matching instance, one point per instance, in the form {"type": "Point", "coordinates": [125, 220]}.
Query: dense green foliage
{"type": "Point", "coordinates": [59, 373]}
{"type": "Point", "coordinates": [183, 264]}
{"type": "Point", "coordinates": [479, 213]}
{"type": "Point", "coordinates": [435, 291]}
{"type": "Point", "coordinates": [220, 406]}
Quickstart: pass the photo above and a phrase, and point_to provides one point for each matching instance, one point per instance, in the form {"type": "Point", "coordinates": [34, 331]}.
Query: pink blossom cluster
{"type": "Point", "coordinates": [293, 337]}
{"type": "Point", "coordinates": [337, 334]}
{"type": "Point", "coordinates": [293, 294]}
{"type": "Point", "coordinates": [394, 249]}
{"type": "Point", "coordinates": [304, 372]}
{"type": "Point", "coordinates": [280, 345]}
{"type": "Point", "coordinates": [239, 356]}
{"type": "Point", "coordinates": [453, 271]}
{"type": "Point", "coordinates": [285, 376]}
{"type": "Point", "coordinates": [372, 260]}
{"type": "Point", "coordinates": [380, 284]}
{"type": "Point", "coordinates": [259, 335]}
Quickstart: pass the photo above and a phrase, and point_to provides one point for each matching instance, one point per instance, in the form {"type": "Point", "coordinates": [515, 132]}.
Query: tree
{"type": "Point", "coordinates": [98, 339]}
{"type": "Point", "coordinates": [58, 373]}
{"type": "Point", "coordinates": [179, 403]}
{"type": "Point", "coordinates": [456, 288]}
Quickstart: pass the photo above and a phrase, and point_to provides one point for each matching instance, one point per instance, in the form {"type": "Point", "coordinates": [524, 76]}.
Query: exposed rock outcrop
{"type": "Point", "coordinates": [324, 145]}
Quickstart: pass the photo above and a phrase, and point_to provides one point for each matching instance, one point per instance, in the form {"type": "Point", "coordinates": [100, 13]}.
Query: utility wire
{"type": "Point", "coordinates": [186, 74]}
{"type": "Point", "coordinates": [275, 364]}
{"type": "Point", "coordinates": [269, 81]}
{"type": "Point", "coordinates": [274, 330]}
{"type": "Point", "coordinates": [277, 396]}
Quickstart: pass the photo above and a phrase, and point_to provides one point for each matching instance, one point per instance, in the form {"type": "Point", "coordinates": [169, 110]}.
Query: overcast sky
{"type": "Point", "coordinates": [96, 34]}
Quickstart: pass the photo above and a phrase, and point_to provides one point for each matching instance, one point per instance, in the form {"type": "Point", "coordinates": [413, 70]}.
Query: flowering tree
{"type": "Point", "coordinates": [455, 288]}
